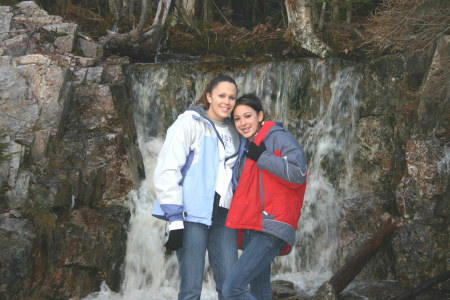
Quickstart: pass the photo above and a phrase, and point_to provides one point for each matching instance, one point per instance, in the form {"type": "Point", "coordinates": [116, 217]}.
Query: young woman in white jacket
{"type": "Point", "coordinates": [194, 190]}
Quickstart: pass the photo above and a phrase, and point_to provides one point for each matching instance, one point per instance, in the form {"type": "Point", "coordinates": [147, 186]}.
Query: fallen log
{"type": "Point", "coordinates": [367, 250]}
{"type": "Point", "coordinates": [330, 289]}
{"type": "Point", "coordinates": [424, 286]}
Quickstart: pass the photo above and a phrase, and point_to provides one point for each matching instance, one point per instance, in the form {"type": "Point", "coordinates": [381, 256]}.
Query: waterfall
{"type": "Point", "coordinates": [317, 101]}
{"type": "Point", "coordinates": [329, 147]}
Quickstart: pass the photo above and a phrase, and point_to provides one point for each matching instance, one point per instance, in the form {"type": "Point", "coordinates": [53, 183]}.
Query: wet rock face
{"type": "Point", "coordinates": [16, 240]}
{"type": "Point", "coordinates": [94, 142]}
{"type": "Point", "coordinates": [64, 217]}
{"type": "Point", "coordinates": [88, 247]}
{"type": "Point", "coordinates": [422, 200]}
{"type": "Point", "coordinates": [373, 161]}
{"type": "Point", "coordinates": [68, 124]}
{"type": "Point", "coordinates": [401, 167]}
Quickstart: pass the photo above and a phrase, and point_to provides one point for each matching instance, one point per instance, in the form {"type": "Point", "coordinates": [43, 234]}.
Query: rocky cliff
{"type": "Point", "coordinates": [66, 119]}
{"type": "Point", "coordinates": [64, 215]}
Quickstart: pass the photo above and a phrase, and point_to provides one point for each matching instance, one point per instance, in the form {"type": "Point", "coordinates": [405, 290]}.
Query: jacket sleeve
{"type": "Point", "coordinates": [291, 166]}
{"type": "Point", "coordinates": [167, 175]}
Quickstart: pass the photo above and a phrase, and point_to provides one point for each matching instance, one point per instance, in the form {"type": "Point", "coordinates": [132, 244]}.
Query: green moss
{"type": "Point", "coordinates": [10, 2]}
{"type": "Point", "coordinates": [44, 221]}
{"type": "Point", "coordinates": [77, 52]}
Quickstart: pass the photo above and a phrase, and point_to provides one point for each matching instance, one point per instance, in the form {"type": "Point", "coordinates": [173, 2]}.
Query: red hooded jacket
{"type": "Point", "coordinates": [263, 201]}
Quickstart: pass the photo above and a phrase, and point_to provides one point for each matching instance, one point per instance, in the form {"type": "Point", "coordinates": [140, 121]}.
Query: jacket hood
{"type": "Point", "coordinates": [202, 112]}
{"type": "Point", "coordinates": [278, 127]}
{"type": "Point", "coordinates": [198, 109]}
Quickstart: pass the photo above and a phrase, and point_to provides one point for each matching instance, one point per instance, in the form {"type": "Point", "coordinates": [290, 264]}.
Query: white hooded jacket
{"type": "Point", "coordinates": [191, 167]}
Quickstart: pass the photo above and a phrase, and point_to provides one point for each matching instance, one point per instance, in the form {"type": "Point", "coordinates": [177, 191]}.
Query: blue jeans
{"type": "Point", "coordinates": [221, 243]}
{"type": "Point", "coordinates": [253, 267]}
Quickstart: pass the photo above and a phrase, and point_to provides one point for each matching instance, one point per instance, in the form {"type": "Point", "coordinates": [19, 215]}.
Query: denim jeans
{"type": "Point", "coordinates": [221, 243]}
{"type": "Point", "coordinates": [253, 267]}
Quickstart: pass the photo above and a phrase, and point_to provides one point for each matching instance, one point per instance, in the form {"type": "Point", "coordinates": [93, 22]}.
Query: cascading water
{"type": "Point", "coordinates": [326, 97]}
{"type": "Point", "coordinates": [329, 148]}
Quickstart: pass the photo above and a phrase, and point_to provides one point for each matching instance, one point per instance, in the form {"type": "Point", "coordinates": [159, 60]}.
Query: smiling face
{"type": "Point", "coordinates": [222, 100]}
{"type": "Point", "coordinates": [247, 121]}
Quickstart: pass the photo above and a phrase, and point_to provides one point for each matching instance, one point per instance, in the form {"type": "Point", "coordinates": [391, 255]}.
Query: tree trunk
{"type": "Point", "coordinates": [254, 11]}
{"type": "Point", "coordinates": [98, 7]}
{"type": "Point", "coordinates": [114, 9]}
{"type": "Point", "coordinates": [348, 18]}
{"type": "Point", "coordinates": [322, 15]}
{"type": "Point", "coordinates": [160, 19]}
{"type": "Point", "coordinates": [208, 11]}
{"type": "Point", "coordinates": [125, 8]}
{"type": "Point", "coordinates": [128, 9]}
{"type": "Point", "coordinates": [131, 9]}
{"type": "Point", "coordinates": [189, 8]}
{"type": "Point", "coordinates": [314, 15]}
{"type": "Point", "coordinates": [161, 12]}
{"type": "Point", "coordinates": [335, 11]}
{"type": "Point", "coordinates": [187, 18]}
{"type": "Point", "coordinates": [133, 5]}
{"type": "Point", "coordinates": [63, 7]}
{"type": "Point", "coordinates": [300, 32]}
{"type": "Point", "coordinates": [137, 32]}
{"type": "Point", "coordinates": [283, 16]}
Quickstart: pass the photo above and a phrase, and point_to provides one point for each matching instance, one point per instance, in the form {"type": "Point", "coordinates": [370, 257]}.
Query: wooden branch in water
{"type": "Point", "coordinates": [367, 250]}
{"type": "Point", "coordinates": [424, 286]}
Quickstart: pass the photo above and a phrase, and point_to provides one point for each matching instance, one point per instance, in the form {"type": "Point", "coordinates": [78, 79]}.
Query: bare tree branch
{"type": "Point", "coordinates": [400, 25]}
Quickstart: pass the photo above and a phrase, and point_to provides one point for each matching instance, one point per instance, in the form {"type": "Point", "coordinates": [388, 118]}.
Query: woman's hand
{"type": "Point", "coordinates": [175, 240]}
{"type": "Point", "coordinates": [254, 152]}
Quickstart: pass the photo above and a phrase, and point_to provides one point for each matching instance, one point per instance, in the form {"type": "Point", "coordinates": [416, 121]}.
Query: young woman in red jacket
{"type": "Point", "coordinates": [271, 181]}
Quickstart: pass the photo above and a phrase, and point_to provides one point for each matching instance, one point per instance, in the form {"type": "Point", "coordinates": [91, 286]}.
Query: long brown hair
{"type": "Point", "coordinates": [210, 86]}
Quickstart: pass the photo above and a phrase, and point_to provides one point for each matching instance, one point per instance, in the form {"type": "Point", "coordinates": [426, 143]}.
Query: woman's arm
{"type": "Point", "coordinates": [291, 166]}
{"type": "Point", "coordinates": [171, 159]}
